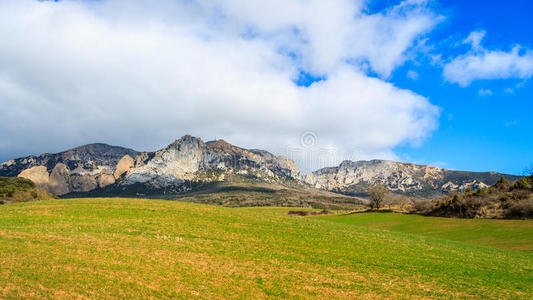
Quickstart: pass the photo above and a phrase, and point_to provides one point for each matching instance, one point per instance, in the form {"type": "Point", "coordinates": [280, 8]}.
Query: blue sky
{"type": "Point", "coordinates": [487, 125]}
{"type": "Point", "coordinates": [478, 132]}
{"type": "Point", "coordinates": [436, 82]}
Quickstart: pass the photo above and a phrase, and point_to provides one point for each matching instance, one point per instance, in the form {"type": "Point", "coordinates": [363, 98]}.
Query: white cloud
{"type": "Point", "coordinates": [140, 75]}
{"type": "Point", "coordinates": [480, 63]}
{"type": "Point", "coordinates": [412, 74]}
{"type": "Point", "coordinates": [475, 39]}
{"type": "Point", "coordinates": [485, 92]}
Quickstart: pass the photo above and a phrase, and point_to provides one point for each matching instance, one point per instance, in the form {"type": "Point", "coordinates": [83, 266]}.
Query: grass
{"type": "Point", "coordinates": [136, 248]}
{"type": "Point", "coordinates": [507, 234]}
{"type": "Point", "coordinates": [236, 191]}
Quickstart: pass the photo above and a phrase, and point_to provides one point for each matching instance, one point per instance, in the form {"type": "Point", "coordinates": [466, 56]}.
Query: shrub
{"type": "Point", "coordinates": [502, 184]}
{"type": "Point", "coordinates": [523, 183]}
{"type": "Point", "coordinates": [298, 213]}
{"type": "Point", "coordinates": [423, 206]}
{"type": "Point", "coordinates": [520, 194]}
{"type": "Point", "coordinates": [520, 209]}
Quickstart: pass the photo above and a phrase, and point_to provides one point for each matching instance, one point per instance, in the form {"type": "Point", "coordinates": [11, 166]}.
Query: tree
{"type": "Point", "coordinates": [529, 171]}
{"type": "Point", "coordinates": [401, 201]}
{"type": "Point", "coordinates": [377, 194]}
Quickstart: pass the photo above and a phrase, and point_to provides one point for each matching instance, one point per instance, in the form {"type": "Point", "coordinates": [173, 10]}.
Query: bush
{"type": "Point", "coordinates": [520, 209]}
{"type": "Point", "coordinates": [520, 194]}
{"type": "Point", "coordinates": [523, 183]}
{"type": "Point", "coordinates": [502, 184]}
{"type": "Point", "coordinates": [15, 189]}
{"type": "Point", "coordinates": [298, 213]}
{"type": "Point", "coordinates": [423, 206]}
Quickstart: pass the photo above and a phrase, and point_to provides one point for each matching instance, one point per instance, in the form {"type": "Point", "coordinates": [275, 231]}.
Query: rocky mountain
{"type": "Point", "coordinates": [189, 160]}
{"type": "Point", "coordinates": [80, 169]}
{"type": "Point", "coordinates": [354, 178]}
{"type": "Point", "coordinates": [174, 169]}
{"type": "Point", "coordinates": [189, 163]}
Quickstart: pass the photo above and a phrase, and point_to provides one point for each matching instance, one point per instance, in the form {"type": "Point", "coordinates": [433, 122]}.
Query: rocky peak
{"type": "Point", "coordinates": [186, 140]}
{"type": "Point", "coordinates": [222, 146]}
{"type": "Point", "coordinates": [189, 158]}
{"type": "Point", "coordinates": [418, 180]}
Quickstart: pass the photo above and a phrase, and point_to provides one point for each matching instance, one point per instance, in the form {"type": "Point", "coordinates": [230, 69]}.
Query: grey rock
{"type": "Point", "coordinates": [355, 178]}
{"type": "Point", "coordinates": [76, 170]}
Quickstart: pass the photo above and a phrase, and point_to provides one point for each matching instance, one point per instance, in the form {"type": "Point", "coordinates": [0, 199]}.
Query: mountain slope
{"type": "Point", "coordinates": [354, 178]}
{"type": "Point", "coordinates": [80, 169]}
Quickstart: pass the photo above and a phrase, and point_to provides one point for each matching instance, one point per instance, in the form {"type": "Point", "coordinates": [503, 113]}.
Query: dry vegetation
{"type": "Point", "coordinates": [247, 193]}
{"type": "Point", "coordinates": [502, 200]}
{"type": "Point", "coordinates": [16, 189]}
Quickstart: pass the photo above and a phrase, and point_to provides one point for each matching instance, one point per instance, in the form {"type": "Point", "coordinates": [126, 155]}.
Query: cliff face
{"type": "Point", "coordinates": [76, 170]}
{"type": "Point", "coordinates": [189, 159]}
{"type": "Point", "coordinates": [417, 180]}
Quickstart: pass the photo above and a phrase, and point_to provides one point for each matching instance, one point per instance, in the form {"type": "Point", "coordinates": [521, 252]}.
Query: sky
{"type": "Point", "coordinates": [446, 83]}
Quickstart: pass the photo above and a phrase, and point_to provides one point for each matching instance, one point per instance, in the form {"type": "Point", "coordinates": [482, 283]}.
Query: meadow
{"type": "Point", "coordinates": [137, 248]}
{"type": "Point", "coordinates": [506, 234]}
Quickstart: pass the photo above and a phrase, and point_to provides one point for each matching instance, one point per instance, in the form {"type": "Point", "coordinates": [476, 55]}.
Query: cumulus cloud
{"type": "Point", "coordinates": [481, 63]}
{"type": "Point", "coordinates": [140, 74]}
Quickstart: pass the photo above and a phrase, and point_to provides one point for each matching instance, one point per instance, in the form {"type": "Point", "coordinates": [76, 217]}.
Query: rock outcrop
{"type": "Point", "coordinates": [123, 166]}
{"type": "Point", "coordinates": [38, 174]}
{"type": "Point", "coordinates": [80, 169]}
{"type": "Point", "coordinates": [355, 178]}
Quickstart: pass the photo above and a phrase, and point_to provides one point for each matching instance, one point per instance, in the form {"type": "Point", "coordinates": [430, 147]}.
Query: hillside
{"type": "Point", "coordinates": [20, 190]}
{"type": "Point", "coordinates": [238, 191]}
{"type": "Point", "coordinates": [354, 178]}
{"type": "Point", "coordinates": [505, 234]}
{"type": "Point", "coordinates": [124, 248]}
{"type": "Point", "coordinates": [501, 200]}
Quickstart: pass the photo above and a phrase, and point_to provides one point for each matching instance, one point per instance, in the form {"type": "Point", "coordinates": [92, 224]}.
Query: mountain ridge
{"type": "Point", "coordinates": [354, 178]}
{"type": "Point", "coordinates": [188, 162]}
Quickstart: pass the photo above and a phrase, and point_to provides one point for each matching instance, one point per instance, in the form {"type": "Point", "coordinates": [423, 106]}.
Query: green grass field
{"type": "Point", "coordinates": [134, 248]}
{"type": "Point", "coordinates": [507, 234]}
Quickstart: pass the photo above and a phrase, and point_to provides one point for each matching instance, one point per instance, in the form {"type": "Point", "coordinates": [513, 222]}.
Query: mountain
{"type": "Point", "coordinates": [354, 178]}
{"type": "Point", "coordinates": [175, 169]}
{"type": "Point", "coordinates": [80, 169]}
{"type": "Point", "coordinates": [189, 161]}
{"type": "Point", "coordinates": [189, 164]}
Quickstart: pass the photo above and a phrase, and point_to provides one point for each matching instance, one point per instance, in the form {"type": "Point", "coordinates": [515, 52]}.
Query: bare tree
{"type": "Point", "coordinates": [400, 201]}
{"type": "Point", "coordinates": [377, 194]}
{"type": "Point", "coordinates": [529, 170]}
